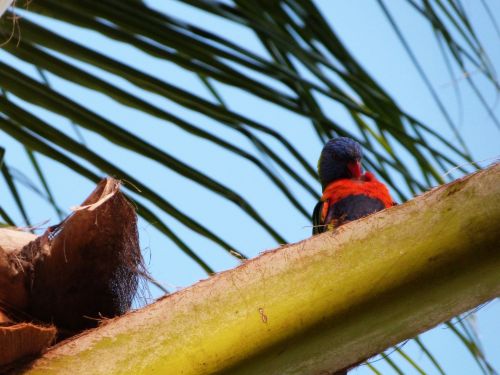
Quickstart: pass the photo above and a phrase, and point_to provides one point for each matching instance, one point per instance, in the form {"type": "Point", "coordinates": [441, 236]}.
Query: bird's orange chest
{"type": "Point", "coordinates": [368, 186]}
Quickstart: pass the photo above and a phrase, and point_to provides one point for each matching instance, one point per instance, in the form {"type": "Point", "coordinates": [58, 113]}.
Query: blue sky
{"type": "Point", "coordinates": [363, 28]}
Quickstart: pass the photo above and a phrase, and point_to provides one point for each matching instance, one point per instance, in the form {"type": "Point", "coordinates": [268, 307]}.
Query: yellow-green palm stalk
{"type": "Point", "coordinates": [318, 305]}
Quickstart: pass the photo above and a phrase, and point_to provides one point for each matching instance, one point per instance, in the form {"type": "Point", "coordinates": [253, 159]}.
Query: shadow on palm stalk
{"type": "Point", "coordinates": [83, 270]}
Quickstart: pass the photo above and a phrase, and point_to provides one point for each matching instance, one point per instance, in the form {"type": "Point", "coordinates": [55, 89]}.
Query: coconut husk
{"type": "Point", "coordinates": [86, 268]}
{"type": "Point", "coordinates": [22, 340]}
{"type": "Point", "coordinates": [4, 319]}
{"type": "Point", "coordinates": [77, 273]}
{"type": "Point", "coordinates": [13, 288]}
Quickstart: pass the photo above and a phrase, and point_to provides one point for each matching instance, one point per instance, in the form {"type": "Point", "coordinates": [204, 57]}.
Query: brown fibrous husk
{"type": "Point", "coordinates": [22, 340]}
{"type": "Point", "coordinates": [79, 272]}
{"type": "Point", "coordinates": [86, 268]}
{"type": "Point", "coordinates": [13, 286]}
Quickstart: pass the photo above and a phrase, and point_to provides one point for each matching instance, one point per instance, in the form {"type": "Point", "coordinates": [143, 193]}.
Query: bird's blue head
{"type": "Point", "coordinates": [340, 158]}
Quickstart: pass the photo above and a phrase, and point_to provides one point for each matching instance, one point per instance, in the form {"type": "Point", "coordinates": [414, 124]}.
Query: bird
{"type": "Point", "coordinates": [348, 193]}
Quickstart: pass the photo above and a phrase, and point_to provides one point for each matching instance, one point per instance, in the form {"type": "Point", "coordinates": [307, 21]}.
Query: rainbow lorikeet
{"type": "Point", "coordinates": [348, 193]}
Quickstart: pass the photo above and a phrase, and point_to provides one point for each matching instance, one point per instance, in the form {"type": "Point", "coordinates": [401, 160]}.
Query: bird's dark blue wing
{"type": "Point", "coordinates": [318, 225]}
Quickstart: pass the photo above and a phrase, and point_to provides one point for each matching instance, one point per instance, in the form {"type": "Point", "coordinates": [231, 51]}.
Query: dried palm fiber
{"type": "Point", "coordinates": [82, 270]}
{"type": "Point", "coordinates": [87, 267]}
{"type": "Point", "coordinates": [13, 286]}
{"type": "Point", "coordinates": [22, 339]}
